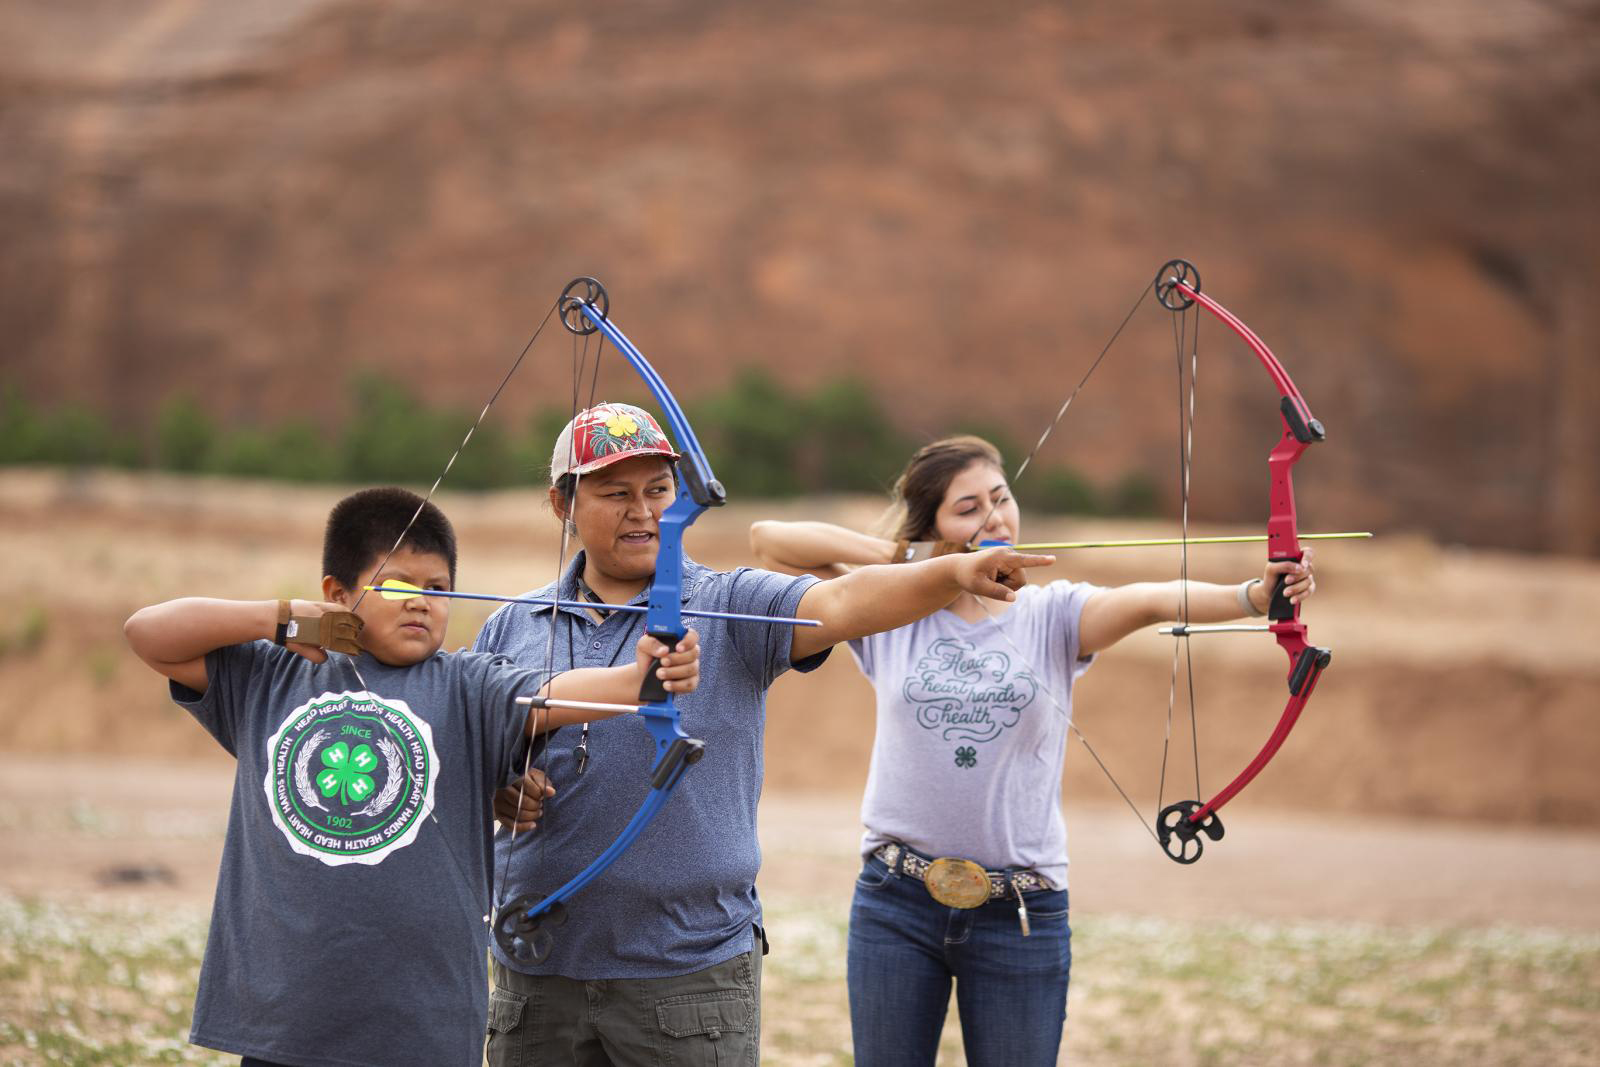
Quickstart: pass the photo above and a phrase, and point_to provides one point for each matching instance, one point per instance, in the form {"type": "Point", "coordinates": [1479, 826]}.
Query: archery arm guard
{"type": "Point", "coordinates": [917, 551]}
{"type": "Point", "coordinates": [336, 631]}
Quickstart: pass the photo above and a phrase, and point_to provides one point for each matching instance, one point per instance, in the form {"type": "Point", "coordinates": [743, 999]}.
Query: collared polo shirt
{"type": "Point", "coordinates": [683, 897]}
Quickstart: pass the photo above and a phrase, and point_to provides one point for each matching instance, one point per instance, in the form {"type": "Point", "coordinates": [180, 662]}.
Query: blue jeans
{"type": "Point", "coordinates": [906, 947]}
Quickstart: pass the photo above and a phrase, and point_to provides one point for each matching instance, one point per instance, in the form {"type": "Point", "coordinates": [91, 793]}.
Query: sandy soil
{"type": "Point", "coordinates": [1443, 774]}
{"type": "Point", "coordinates": [152, 830]}
{"type": "Point", "coordinates": [1464, 685]}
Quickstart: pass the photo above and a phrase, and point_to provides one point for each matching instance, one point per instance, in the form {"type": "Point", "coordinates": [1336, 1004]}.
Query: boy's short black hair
{"type": "Point", "coordinates": [364, 526]}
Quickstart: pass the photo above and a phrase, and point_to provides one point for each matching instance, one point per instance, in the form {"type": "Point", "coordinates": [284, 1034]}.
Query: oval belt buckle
{"type": "Point", "coordinates": [957, 883]}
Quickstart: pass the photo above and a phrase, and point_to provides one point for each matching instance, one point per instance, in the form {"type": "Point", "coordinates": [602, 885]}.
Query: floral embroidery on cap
{"type": "Point", "coordinates": [614, 429]}
{"type": "Point", "coordinates": [605, 434]}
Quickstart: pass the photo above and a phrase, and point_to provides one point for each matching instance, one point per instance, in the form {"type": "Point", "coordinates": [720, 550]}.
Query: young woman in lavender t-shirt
{"type": "Point", "coordinates": [974, 705]}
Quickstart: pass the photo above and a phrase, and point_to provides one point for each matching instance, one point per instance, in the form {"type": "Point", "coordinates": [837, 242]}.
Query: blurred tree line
{"type": "Point", "coordinates": [764, 441]}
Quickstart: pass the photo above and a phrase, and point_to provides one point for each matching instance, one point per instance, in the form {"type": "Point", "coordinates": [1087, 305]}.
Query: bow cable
{"type": "Point", "coordinates": [350, 659]}
{"type": "Point", "coordinates": [995, 504]}
{"type": "Point", "coordinates": [1183, 337]}
{"type": "Point", "coordinates": [580, 359]}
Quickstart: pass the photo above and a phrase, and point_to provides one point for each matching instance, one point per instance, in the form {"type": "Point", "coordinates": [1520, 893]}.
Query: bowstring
{"type": "Point", "coordinates": [504, 381]}
{"type": "Point", "coordinates": [1071, 725]}
{"type": "Point", "coordinates": [433, 813]}
{"type": "Point", "coordinates": [1180, 333]}
{"type": "Point", "coordinates": [580, 359]}
{"type": "Point", "coordinates": [1061, 412]}
{"type": "Point", "coordinates": [995, 620]}
{"type": "Point", "coordinates": [1188, 468]}
{"type": "Point", "coordinates": [594, 383]}
{"type": "Point", "coordinates": [1185, 451]}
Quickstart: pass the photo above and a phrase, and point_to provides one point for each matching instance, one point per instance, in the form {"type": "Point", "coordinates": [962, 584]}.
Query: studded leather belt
{"type": "Point", "coordinates": [1001, 883]}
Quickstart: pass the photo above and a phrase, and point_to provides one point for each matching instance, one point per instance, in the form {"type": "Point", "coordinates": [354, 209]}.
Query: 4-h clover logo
{"type": "Point", "coordinates": [347, 773]}
{"type": "Point", "coordinates": [966, 756]}
{"type": "Point", "coordinates": [350, 777]}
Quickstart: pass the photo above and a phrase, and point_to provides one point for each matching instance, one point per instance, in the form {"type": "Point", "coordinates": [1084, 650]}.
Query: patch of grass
{"type": "Point", "coordinates": [1155, 991]}
{"type": "Point", "coordinates": [85, 818]}
{"type": "Point", "coordinates": [96, 985]}
{"type": "Point", "coordinates": [32, 626]}
{"type": "Point", "coordinates": [102, 662]}
{"type": "Point", "coordinates": [1257, 992]}
{"type": "Point", "coordinates": [805, 1014]}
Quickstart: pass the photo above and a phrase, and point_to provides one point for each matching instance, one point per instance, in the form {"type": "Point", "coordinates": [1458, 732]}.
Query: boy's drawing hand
{"type": "Point", "coordinates": [311, 609]}
{"type": "Point", "coordinates": [678, 668]}
{"type": "Point", "coordinates": [995, 572]}
{"type": "Point", "coordinates": [518, 806]}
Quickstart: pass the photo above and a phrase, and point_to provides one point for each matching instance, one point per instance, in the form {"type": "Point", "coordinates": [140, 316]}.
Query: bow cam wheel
{"type": "Point", "coordinates": [524, 939]}
{"type": "Point", "coordinates": [1179, 834]}
{"type": "Point", "coordinates": [579, 294]}
{"type": "Point", "coordinates": [1173, 271]}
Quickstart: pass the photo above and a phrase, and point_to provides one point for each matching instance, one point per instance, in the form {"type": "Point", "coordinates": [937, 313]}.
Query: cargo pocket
{"type": "Point", "coordinates": [506, 1011]}
{"type": "Point", "coordinates": [707, 1029]}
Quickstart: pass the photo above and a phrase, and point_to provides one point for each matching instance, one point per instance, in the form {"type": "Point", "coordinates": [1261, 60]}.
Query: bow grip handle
{"type": "Point", "coordinates": [653, 690]}
{"type": "Point", "coordinates": [1280, 610]}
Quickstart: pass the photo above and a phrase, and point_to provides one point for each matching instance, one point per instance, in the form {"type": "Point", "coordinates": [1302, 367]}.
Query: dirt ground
{"type": "Point", "coordinates": [1444, 772]}
{"type": "Point", "coordinates": [1308, 941]}
{"type": "Point", "coordinates": [151, 830]}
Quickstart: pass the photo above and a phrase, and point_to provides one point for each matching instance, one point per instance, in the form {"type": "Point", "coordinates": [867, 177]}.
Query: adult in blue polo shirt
{"type": "Point", "coordinates": [660, 960]}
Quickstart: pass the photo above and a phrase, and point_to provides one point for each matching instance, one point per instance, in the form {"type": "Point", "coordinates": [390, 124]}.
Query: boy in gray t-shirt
{"type": "Point", "coordinates": [348, 924]}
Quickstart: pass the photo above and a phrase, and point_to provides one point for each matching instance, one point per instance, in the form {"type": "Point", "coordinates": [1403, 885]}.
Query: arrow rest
{"type": "Point", "coordinates": [1179, 834]}
{"type": "Point", "coordinates": [521, 936]}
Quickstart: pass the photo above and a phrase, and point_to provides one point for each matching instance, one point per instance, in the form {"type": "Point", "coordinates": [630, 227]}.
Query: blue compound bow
{"type": "Point", "coordinates": [585, 308]}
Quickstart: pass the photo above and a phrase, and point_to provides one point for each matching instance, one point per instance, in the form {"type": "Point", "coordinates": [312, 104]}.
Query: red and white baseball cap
{"type": "Point", "coordinates": [605, 434]}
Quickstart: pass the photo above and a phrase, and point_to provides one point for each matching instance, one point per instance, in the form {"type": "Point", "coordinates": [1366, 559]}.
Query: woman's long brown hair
{"type": "Point", "coordinates": [920, 489]}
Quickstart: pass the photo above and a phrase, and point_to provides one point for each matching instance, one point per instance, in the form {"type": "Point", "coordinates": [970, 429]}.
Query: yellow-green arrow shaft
{"type": "Point", "coordinates": [1057, 546]}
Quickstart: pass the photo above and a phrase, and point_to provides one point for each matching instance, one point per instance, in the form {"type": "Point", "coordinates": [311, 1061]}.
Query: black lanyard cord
{"type": "Point", "coordinates": [582, 748]}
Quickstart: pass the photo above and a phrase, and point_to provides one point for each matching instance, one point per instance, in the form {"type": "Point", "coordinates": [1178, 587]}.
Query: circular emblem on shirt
{"type": "Point", "coordinates": [966, 693]}
{"type": "Point", "coordinates": [350, 777]}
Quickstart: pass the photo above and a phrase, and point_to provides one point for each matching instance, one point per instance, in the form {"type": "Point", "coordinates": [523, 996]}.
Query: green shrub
{"type": "Point", "coordinates": [292, 451]}
{"type": "Point", "coordinates": [1061, 489]}
{"type": "Point", "coordinates": [389, 436]}
{"type": "Point", "coordinates": [861, 449]}
{"type": "Point", "coordinates": [185, 435]}
{"type": "Point", "coordinates": [66, 436]}
{"type": "Point", "coordinates": [753, 431]}
{"type": "Point", "coordinates": [764, 439]}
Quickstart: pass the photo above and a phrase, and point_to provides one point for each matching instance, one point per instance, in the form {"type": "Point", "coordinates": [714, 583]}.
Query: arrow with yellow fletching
{"type": "Point", "coordinates": [915, 551]}
{"type": "Point", "coordinates": [394, 589]}
{"type": "Point", "coordinates": [1146, 542]}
